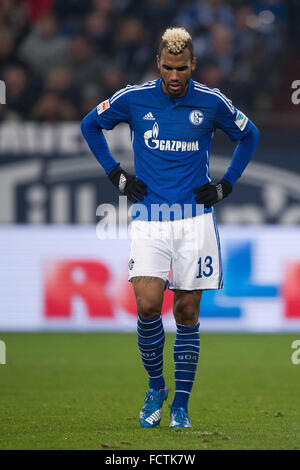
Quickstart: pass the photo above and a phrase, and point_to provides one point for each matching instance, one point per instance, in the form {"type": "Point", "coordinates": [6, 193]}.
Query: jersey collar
{"type": "Point", "coordinates": [176, 99]}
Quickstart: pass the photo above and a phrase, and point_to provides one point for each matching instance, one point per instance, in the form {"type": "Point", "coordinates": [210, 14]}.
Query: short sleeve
{"type": "Point", "coordinates": [230, 119]}
{"type": "Point", "coordinates": [114, 110]}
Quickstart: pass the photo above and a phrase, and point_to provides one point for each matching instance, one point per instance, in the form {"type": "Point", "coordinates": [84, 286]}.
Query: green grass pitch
{"type": "Point", "coordinates": [85, 391]}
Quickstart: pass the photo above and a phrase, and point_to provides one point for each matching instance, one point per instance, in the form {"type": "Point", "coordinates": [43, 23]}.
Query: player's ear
{"type": "Point", "coordinates": [158, 62]}
{"type": "Point", "coordinates": [194, 61]}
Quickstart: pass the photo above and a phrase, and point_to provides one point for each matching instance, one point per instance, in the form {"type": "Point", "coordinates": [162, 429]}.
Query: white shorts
{"type": "Point", "coordinates": [190, 248]}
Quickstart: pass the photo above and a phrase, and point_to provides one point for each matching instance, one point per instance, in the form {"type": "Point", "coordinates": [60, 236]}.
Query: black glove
{"type": "Point", "coordinates": [211, 193]}
{"type": "Point", "coordinates": [128, 184]}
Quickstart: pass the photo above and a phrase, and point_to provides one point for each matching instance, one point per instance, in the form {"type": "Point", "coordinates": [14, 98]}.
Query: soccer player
{"type": "Point", "coordinates": [172, 121]}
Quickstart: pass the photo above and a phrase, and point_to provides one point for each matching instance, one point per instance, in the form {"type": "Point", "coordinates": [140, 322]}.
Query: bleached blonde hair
{"type": "Point", "coordinates": [175, 40]}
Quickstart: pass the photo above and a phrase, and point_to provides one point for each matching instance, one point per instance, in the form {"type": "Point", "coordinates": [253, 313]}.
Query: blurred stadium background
{"type": "Point", "coordinates": [58, 60]}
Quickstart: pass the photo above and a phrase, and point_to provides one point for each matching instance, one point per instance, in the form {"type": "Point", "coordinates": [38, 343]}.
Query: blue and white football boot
{"type": "Point", "coordinates": [150, 415]}
{"type": "Point", "coordinates": [179, 418]}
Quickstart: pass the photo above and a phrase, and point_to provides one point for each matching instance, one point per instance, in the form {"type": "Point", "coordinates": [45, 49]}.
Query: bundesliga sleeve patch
{"type": "Point", "coordinates": [103, 106]}
{"type": "Point", "coordinates": [241, 120]}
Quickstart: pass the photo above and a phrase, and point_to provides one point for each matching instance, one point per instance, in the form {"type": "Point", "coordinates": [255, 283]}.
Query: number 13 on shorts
{"type": "Point", "coordinates": [205, 267]}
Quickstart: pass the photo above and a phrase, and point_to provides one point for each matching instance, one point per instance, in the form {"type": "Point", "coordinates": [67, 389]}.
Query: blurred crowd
{"type": "Point", "coordinates": [59, 59]}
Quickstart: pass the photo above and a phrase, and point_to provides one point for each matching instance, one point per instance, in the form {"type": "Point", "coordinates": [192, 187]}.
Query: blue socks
{"type": "Point", "coordinates": [186, 354]}
{"type": "Point", "coordinates": [151, 339]}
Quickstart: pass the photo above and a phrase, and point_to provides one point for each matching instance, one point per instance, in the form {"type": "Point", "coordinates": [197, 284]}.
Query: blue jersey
{"type": "Point", "coordinates": [171, 136]}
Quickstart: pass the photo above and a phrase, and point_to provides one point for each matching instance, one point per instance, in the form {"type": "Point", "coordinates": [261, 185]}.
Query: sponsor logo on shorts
{"type": "Point", "coordinates": [130, 264]}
